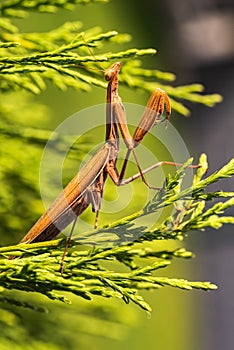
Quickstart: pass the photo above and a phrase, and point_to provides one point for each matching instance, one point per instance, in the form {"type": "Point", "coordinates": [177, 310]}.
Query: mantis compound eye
{"type": "Point", "coordinates": [112, 71]}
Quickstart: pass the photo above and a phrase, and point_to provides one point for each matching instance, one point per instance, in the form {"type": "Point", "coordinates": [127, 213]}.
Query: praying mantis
{"type": "Point", "coordinates": [87, 187]}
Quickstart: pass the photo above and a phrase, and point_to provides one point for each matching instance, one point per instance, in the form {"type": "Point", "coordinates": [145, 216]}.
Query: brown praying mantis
{"type": "Point", "coordinates": [87, 187]}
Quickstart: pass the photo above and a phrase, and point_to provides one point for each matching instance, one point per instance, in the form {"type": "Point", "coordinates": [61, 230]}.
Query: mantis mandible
{"type": "Point", "coordinates": [86, 188]}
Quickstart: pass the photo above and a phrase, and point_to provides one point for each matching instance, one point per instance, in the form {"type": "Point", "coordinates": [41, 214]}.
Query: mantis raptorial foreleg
{"type": "Point", "coordinates": [150, 117]}
{"type": "Point", "coordinates": [115, 109]}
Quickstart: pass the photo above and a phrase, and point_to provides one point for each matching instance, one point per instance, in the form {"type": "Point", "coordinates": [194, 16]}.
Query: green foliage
{"type": "Point", "coordinates": [73, 327]}
{"type": "Point", "coordinates": [86, 273]}
{"type": "Point", "coordinates": [19, 8]}
{"type": "Point", "coordinates": [64, 56]}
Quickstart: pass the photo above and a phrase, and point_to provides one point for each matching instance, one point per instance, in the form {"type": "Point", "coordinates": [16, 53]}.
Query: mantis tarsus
{"type": "Point", "coordinates": [86, 188]}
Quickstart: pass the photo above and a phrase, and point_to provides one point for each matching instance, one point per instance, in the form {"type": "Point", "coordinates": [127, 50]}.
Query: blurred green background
{"type": "Point", "coordinates": [179, 320]}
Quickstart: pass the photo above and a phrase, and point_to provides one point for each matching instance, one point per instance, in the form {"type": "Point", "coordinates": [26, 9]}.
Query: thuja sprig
{"type": "Point", "coordinates": [63, 56]}
{"type": "Point", "coordinates": [86, 273]}
{"type": "Point", "coordinates": [20, 8]}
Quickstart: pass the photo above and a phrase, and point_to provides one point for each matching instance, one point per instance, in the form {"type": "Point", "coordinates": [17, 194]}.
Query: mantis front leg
{"type": "Point", "coordinates": [154, 109]}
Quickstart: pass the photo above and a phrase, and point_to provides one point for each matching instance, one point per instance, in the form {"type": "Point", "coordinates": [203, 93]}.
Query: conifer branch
{"type": "Point", "coordinates": [19, 8]}
{"type": "Point", "coordinates": [63, 56]}
{"type": "Point", "coordinates": [86, 275]}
